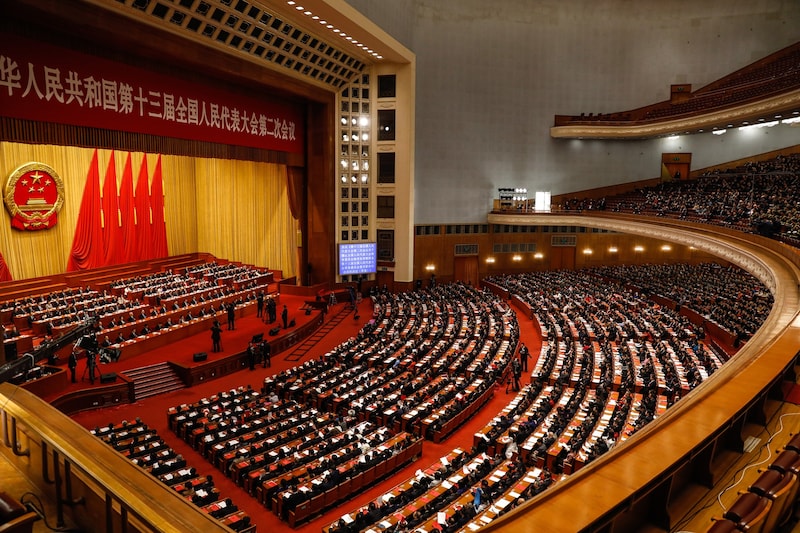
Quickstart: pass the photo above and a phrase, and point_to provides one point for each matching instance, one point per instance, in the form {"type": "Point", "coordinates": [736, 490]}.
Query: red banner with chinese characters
{"type": "Point", "coordinates": [50, 84]}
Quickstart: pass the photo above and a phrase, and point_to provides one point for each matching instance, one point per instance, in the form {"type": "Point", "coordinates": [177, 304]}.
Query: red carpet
{"type": "Point", "coordinates": [153, 412]}
{"type": "Point", "coordinates": [792, 394]}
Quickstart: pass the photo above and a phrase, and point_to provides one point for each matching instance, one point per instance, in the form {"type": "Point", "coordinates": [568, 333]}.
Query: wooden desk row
{"type": "Point", "coordinates": [436, 470]}
{"type": "Point", "coordinates": [346, 489]}
{"type": "Point", "coordinates": [144, 447]}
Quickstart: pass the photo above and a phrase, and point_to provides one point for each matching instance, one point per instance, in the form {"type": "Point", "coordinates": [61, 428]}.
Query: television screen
{"type": "Point", "coordinates": [358, 258]}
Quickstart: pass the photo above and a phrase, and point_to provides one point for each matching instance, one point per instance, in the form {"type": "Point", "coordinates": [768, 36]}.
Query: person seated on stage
{"type": "Point", "coordinates": [143, 315]}
{"type": "Point", "coordinates": [111, 324]}
{"type": "Point", "coordinates": [133, 334]}
{"type": "Point", "coordinates": [145, 330]}
{"type": "Point", "coordinates": [131, 318]}
{"type": "Point", "coordinates": [120, 338]}
{"type": "Point", "coordinates": [106, 342]}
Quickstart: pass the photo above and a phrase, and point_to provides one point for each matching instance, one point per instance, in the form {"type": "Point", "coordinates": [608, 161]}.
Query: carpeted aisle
{"type": "Point", "coordinates": [153, 410]}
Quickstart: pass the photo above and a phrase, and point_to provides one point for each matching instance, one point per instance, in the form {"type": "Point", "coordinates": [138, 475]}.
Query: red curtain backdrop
{"type": "Point", "coordinates": [87, 244]}
{"type": "Point", "coordinates": [160, 248]}
{"type": "Point", "coordinates": [142, 204]}
{"type": "Point", "coordinates": [112, 233]}
{"type": "Point", "coordinates": [130, 250]}
{"type": "Point", "coordinates": [5, 273]}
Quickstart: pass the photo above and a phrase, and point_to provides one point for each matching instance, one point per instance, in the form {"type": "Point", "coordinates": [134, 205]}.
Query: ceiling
{"type": "Point", "coordinates": [327, 44]}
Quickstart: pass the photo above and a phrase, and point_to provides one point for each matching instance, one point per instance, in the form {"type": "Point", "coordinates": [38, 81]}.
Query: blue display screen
{"type": "Point", "coordinates": [358, 258]}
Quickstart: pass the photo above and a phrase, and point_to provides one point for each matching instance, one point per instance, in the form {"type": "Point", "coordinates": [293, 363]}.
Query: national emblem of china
{"type": "Point", "coordinates": [34, 194]}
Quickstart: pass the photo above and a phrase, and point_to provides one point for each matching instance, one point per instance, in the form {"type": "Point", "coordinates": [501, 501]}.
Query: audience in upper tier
{"type": "Point", "coordinates": [759, 197]}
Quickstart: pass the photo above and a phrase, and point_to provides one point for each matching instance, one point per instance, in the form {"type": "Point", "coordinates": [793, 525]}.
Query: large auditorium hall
{"type": "Point", "coordinates": [419, 266]}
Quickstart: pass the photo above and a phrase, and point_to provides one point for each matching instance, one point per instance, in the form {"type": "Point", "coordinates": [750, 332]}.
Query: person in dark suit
{"type": "Point", "coordinates": [251, 355]}
{"type": "Point", "coordinates": [231, 316]}
{"type": "Point", "coordinates": [91, 365]}
{"type": "Point", "coordinates": [216, 336]}
{"type": "Point", "coordinates": [272, 310]}
{"type": "Point", "coordinates": [524, 355]}
{"type": "Point", "coordinates": [72, 363]}
{"type": "Point", "coordinates": [260, 304]}
{"type": "Point", "coordinates": [266, 352]}
{"type": "Point", "coordinates": [285, 317]}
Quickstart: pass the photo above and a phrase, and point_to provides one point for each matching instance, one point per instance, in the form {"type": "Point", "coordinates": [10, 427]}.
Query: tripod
{"type": "Point", "coordinates": [91, 366]}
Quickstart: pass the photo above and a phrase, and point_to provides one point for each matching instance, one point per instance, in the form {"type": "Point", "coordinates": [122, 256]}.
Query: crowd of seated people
{"type": "Point", "coordinates": [427, 358]}
{"type": "Point", "coordinates": [229, 274]}
{"type": "Point", "coordinates": [124, 313]}
{"type": "Point", "coordinates": [145, 448]}
{"type": "Point", "coordinates": [285, 453]}
{"type": "Point", "coordinates": [43, 302]}
{"type": "Point", "coordinates": [724, 295]}
{"type": "Point", "coordinates": [609, 355]}
{"type": "Point", "coordinates": [459, 489]}
{"type": "Point", "coordinates": [759, 197]}
{"type": "Point", "coordinates": [426, 361]}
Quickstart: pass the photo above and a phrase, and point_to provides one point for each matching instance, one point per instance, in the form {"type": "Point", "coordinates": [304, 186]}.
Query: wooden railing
{"type": "Point", "coordinates": [92, 485]}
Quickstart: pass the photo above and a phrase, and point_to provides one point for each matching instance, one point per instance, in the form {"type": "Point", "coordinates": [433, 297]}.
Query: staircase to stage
{"type": "Point", "coordinates": [154, 379]}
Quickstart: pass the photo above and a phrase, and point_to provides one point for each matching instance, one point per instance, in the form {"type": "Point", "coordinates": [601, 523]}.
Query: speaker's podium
{"type": "Point", "coordinates": [199, 357]}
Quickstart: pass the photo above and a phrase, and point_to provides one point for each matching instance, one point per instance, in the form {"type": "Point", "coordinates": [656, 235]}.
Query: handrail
{"type": "Point", "coordinates": [615, 488]}
{"type": "Point", "coordinates": [94, 483]}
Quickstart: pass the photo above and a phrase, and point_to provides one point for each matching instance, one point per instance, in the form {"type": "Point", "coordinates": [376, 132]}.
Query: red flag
{"type": "Point", "coordinates": [130, 251]}
{"type": "Point", "coordinates": [5, 273]}
{"type": "Point", "coordinates": [87, 244]}
{"type": "Point", "coordinates": [112, 233]}
{"type": "Point", "coordinates": [142, 203]}
{"type": "Point", "coordinates": [160, 248]}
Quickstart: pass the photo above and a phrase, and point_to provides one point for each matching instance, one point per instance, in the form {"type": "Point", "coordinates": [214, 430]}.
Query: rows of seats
{"type": "Point", "coordinates": [776, 73]}
{"type": "Point", "coordinates": [611, 362]}
{"type": "Point", "coordinates": [425, 363]}
{"type": "Point", "coordinates": [295, 460]}
{"type": "Point", "coordinates": [443, 495]}
{"type": "Point", "coordinates": [771, 501]}
{"type": "Point", "coordinates": [722, 295]}
{"type": "Point", "coordinates": [145, 448]}
{"type": "Point", "coordinates": [320, 431]}
{"type": "Point", "coordinates": [759, 197]}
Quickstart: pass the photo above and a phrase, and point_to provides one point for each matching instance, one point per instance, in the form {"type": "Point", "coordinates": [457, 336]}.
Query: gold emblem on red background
{"type": "Point", "coordinates": [33, 195]}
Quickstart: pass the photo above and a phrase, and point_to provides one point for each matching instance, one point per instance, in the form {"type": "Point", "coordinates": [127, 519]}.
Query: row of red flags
{"type": "Point", "coordinates": [119, 227]}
